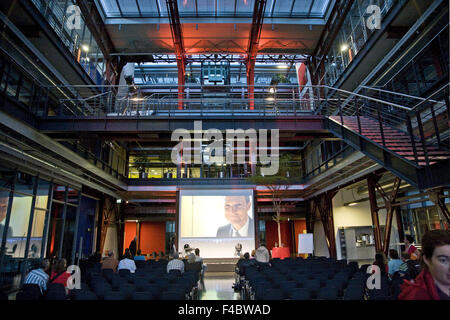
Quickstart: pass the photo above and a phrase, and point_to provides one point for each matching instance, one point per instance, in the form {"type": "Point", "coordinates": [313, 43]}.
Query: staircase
{"type": "Point", "coordinates": [411, 142]}
{"type": "Point", "coordinates": [394, 140]}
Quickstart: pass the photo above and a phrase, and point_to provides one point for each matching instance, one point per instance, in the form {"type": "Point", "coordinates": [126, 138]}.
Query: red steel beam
{"type": "Point", "coordinates": [252, 49]}
{"type": "Point", "coordinates": [177, 37]}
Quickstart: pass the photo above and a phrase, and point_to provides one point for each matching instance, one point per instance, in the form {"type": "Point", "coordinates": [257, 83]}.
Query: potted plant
{"type": "Point", "coordinates": [278, 185]}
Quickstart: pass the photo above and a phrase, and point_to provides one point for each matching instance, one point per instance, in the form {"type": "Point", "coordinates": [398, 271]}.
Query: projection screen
{"type": "Point", "coordinates": [216, 220]}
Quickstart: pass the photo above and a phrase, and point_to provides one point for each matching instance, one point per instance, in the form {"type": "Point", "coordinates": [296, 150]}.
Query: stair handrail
{"type": "Point", "coordinates": [369, 98]}
{"type": "Point", "coordinates": [397, 93]}
{"type": "Point", "coordinates": [429, 97]}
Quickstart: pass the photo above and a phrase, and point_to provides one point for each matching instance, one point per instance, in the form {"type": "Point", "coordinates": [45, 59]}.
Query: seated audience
{"type": "Point", "coordinates": [262, 254]}
{"type": "Point", "coordinates": [380, 262]}
{"type": "Point", "coordinates": [253, 254]}
{"type": "Point", "coordinates": [408, 268]}
{"type": "Point", "coordinates": [433, 282]}
{"type": "Point", "coordinates": [39, 276]}
{"type": "Point", "coordinates": [127, 263]}
{"type": "Point", "coordinates": [175, 263]}
{"type": "Point", "coordinates": [139, 256]}
{"type": "Point", "coordinates": [192, 265]}
{"type": "Point", "coordinates": [110, 262]}
{"type": "Point", "coordinates": [59, 273]}
{"type": "Point", "coordinates": [394, 262]}
{"type": "Point", "coordinates": [200, 259]}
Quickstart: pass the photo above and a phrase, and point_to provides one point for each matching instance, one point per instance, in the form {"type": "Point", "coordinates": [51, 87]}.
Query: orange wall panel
{"type": "Point", "coordinates": [152, 237]}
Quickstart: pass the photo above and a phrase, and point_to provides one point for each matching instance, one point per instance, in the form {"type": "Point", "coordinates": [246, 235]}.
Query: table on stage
{"type": "Point", "coordinates": [281, 252]}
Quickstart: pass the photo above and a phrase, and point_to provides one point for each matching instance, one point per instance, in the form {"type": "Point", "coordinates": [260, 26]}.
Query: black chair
{"type": "Point", "coordinates": [273, 294]}
{"type": "Point", "coordinates": [287, 287]}
{"type": "Point", "coordinates": [140, 264]}
{"type": "Point", "coordinates": [55, 291]}
{"type": "Point", "coordinates": [114, 296]}
{"type": "Point", "coordinates": [172, 295]}
{"type": "Point", "coordinates": [300, 294]}
{"type": "Point", "coordinates": [328, 293]}
{"type": "Point", "coordinates": [108, 274]}
{"type": "Point", "coordinates": [313, 286]}
{"type": "Point", "coordinates": [84, 295]}
{"type": "Point", "coordinates": [142, 296]}
{"type": "Point", "coordinates": [127, 289]}
{"type": "Point", "coordinates": [29, 292]}
{"type": "Point", "coordinates": [354, 293]}
{"type": "Point", "coordinates": [124, 273]}
{"type": "Point", "coordinates": [101, 290]}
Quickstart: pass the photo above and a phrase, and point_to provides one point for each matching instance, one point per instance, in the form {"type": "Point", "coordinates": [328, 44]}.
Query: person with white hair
{"type": "Point", "coordinates": [175, 263]}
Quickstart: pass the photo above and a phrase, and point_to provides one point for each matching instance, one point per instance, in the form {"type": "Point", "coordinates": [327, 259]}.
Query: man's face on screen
{"type": "Point", "coordinates": [236, 208]}
{"type": "Point", "coordinates": [3, 206]}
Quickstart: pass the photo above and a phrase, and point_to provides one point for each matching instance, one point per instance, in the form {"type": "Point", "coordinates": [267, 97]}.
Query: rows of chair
{"type": "Point", "coordinates": [310, 279]}
{"type": "Point", "coordinates": [150, 282]}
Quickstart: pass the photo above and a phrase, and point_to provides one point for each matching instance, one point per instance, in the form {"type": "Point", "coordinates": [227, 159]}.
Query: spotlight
{"type": "Point", "coordinates": [344, 47]}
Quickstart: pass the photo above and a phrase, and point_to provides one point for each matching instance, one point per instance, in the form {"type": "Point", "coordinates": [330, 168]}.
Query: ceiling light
{"type": "Point", "coordinates": [85, 47]}
{"type": "Point", "coordinates": [344, 47]}
{"type": "Point", "coordinates": [282, 66]}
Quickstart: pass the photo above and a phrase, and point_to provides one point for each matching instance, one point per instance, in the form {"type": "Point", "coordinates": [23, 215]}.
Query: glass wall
{"type": "Point", "coordinates": [351, 38]}
{"type": "Point", "coordinates": [37, 220]}
{"type": "Point", "coordinates": [65, 20]}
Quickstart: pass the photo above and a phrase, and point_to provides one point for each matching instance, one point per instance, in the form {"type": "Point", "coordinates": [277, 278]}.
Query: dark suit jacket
{"type": "Point", "coordinates": [2, 229]}
{"type": "Point", "coordinates": [226, 231]}
{"type": "Point", "coordinates": [132, 247]}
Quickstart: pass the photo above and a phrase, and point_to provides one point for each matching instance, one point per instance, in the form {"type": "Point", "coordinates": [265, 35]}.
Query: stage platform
{"type": "Point", "coordinates": [220, 264]}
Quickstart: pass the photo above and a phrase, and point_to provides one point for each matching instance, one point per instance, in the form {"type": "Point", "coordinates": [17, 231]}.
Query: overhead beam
{"type": "Point", "coordinates": [252, 47]}
{"type": "Point", "coordinates": [177, 37]}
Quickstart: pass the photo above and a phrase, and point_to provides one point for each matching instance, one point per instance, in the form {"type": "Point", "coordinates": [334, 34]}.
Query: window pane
{"type": "Point", "coordinates": [36, 241]}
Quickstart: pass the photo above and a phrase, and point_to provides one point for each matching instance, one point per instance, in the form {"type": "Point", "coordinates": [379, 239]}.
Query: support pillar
{"type": "Point", "coordinates": [371, 182]}
{"type": "Point", "coordinates": [324, 204]}
{"type": "Point", "coordinates": [435, 197]}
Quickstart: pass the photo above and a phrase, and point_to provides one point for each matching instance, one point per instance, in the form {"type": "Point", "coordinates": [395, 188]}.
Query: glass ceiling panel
{"type": "Point", "coordinates": [276, 8]}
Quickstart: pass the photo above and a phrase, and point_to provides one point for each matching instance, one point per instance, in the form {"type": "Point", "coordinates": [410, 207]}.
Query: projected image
{"type": "Point", "coordinates": [229, 215]}
{"type": "Point", "coordinates": [217, 221]}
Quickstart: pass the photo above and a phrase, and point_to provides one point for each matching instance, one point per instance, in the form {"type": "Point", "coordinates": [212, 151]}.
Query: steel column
{"type": "Point", "coordinates": [324, 204]}
{"type": "Point", "coordinates": [372, 180]}
{"type": "Point", "coordinates": [253, 46]}
{"type": "Point", "coordinates": [177, 37]}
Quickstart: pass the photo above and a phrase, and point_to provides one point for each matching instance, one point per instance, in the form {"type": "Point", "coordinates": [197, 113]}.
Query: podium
{"type": "Point", "coordinates": [282, 252]}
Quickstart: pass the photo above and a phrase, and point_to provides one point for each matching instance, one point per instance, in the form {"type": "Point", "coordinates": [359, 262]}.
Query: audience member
{"type": "Point", "coordinates": [193, 265]}
{"type": "Point", "coordinates": [139, 256]}
{"type": "Point", "coordinates": [410, 248]}
{"type": "Point", "coordinates": [175, 263]}
{"type": "Point", "coordinates": [39, 276]}
{"type": "Point", "coordinates": [133, 247]}
{"type": "Point", "coordinates": [154, 255]}
{"type": "Point", "coordinates": [127, 263]}
{"type": "Point", "coordinates": [59, 273]}
{"type": "Point", "coordinates": [394, 262]}
{"type": "Point", "coordinates": [197, 255]}
{"type": "Point", "coordinates": [253, 254]}
{"type": "Point", "coordinates": [380, 262]}
{"type": "Point", "coordinates": [262, 254]}
{"type": "Point", "coordinates": [433, 282]}
{"type": "Point", "coordinates": [407, 269]}
{"type": "Point", "coordinates": [200, 259]}
{"type": "Point", "coordinates": [110, 262]}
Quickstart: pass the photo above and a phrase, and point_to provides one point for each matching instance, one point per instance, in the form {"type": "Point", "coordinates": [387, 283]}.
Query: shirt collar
{"type": "Point", "coordinates": [243, 231]}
